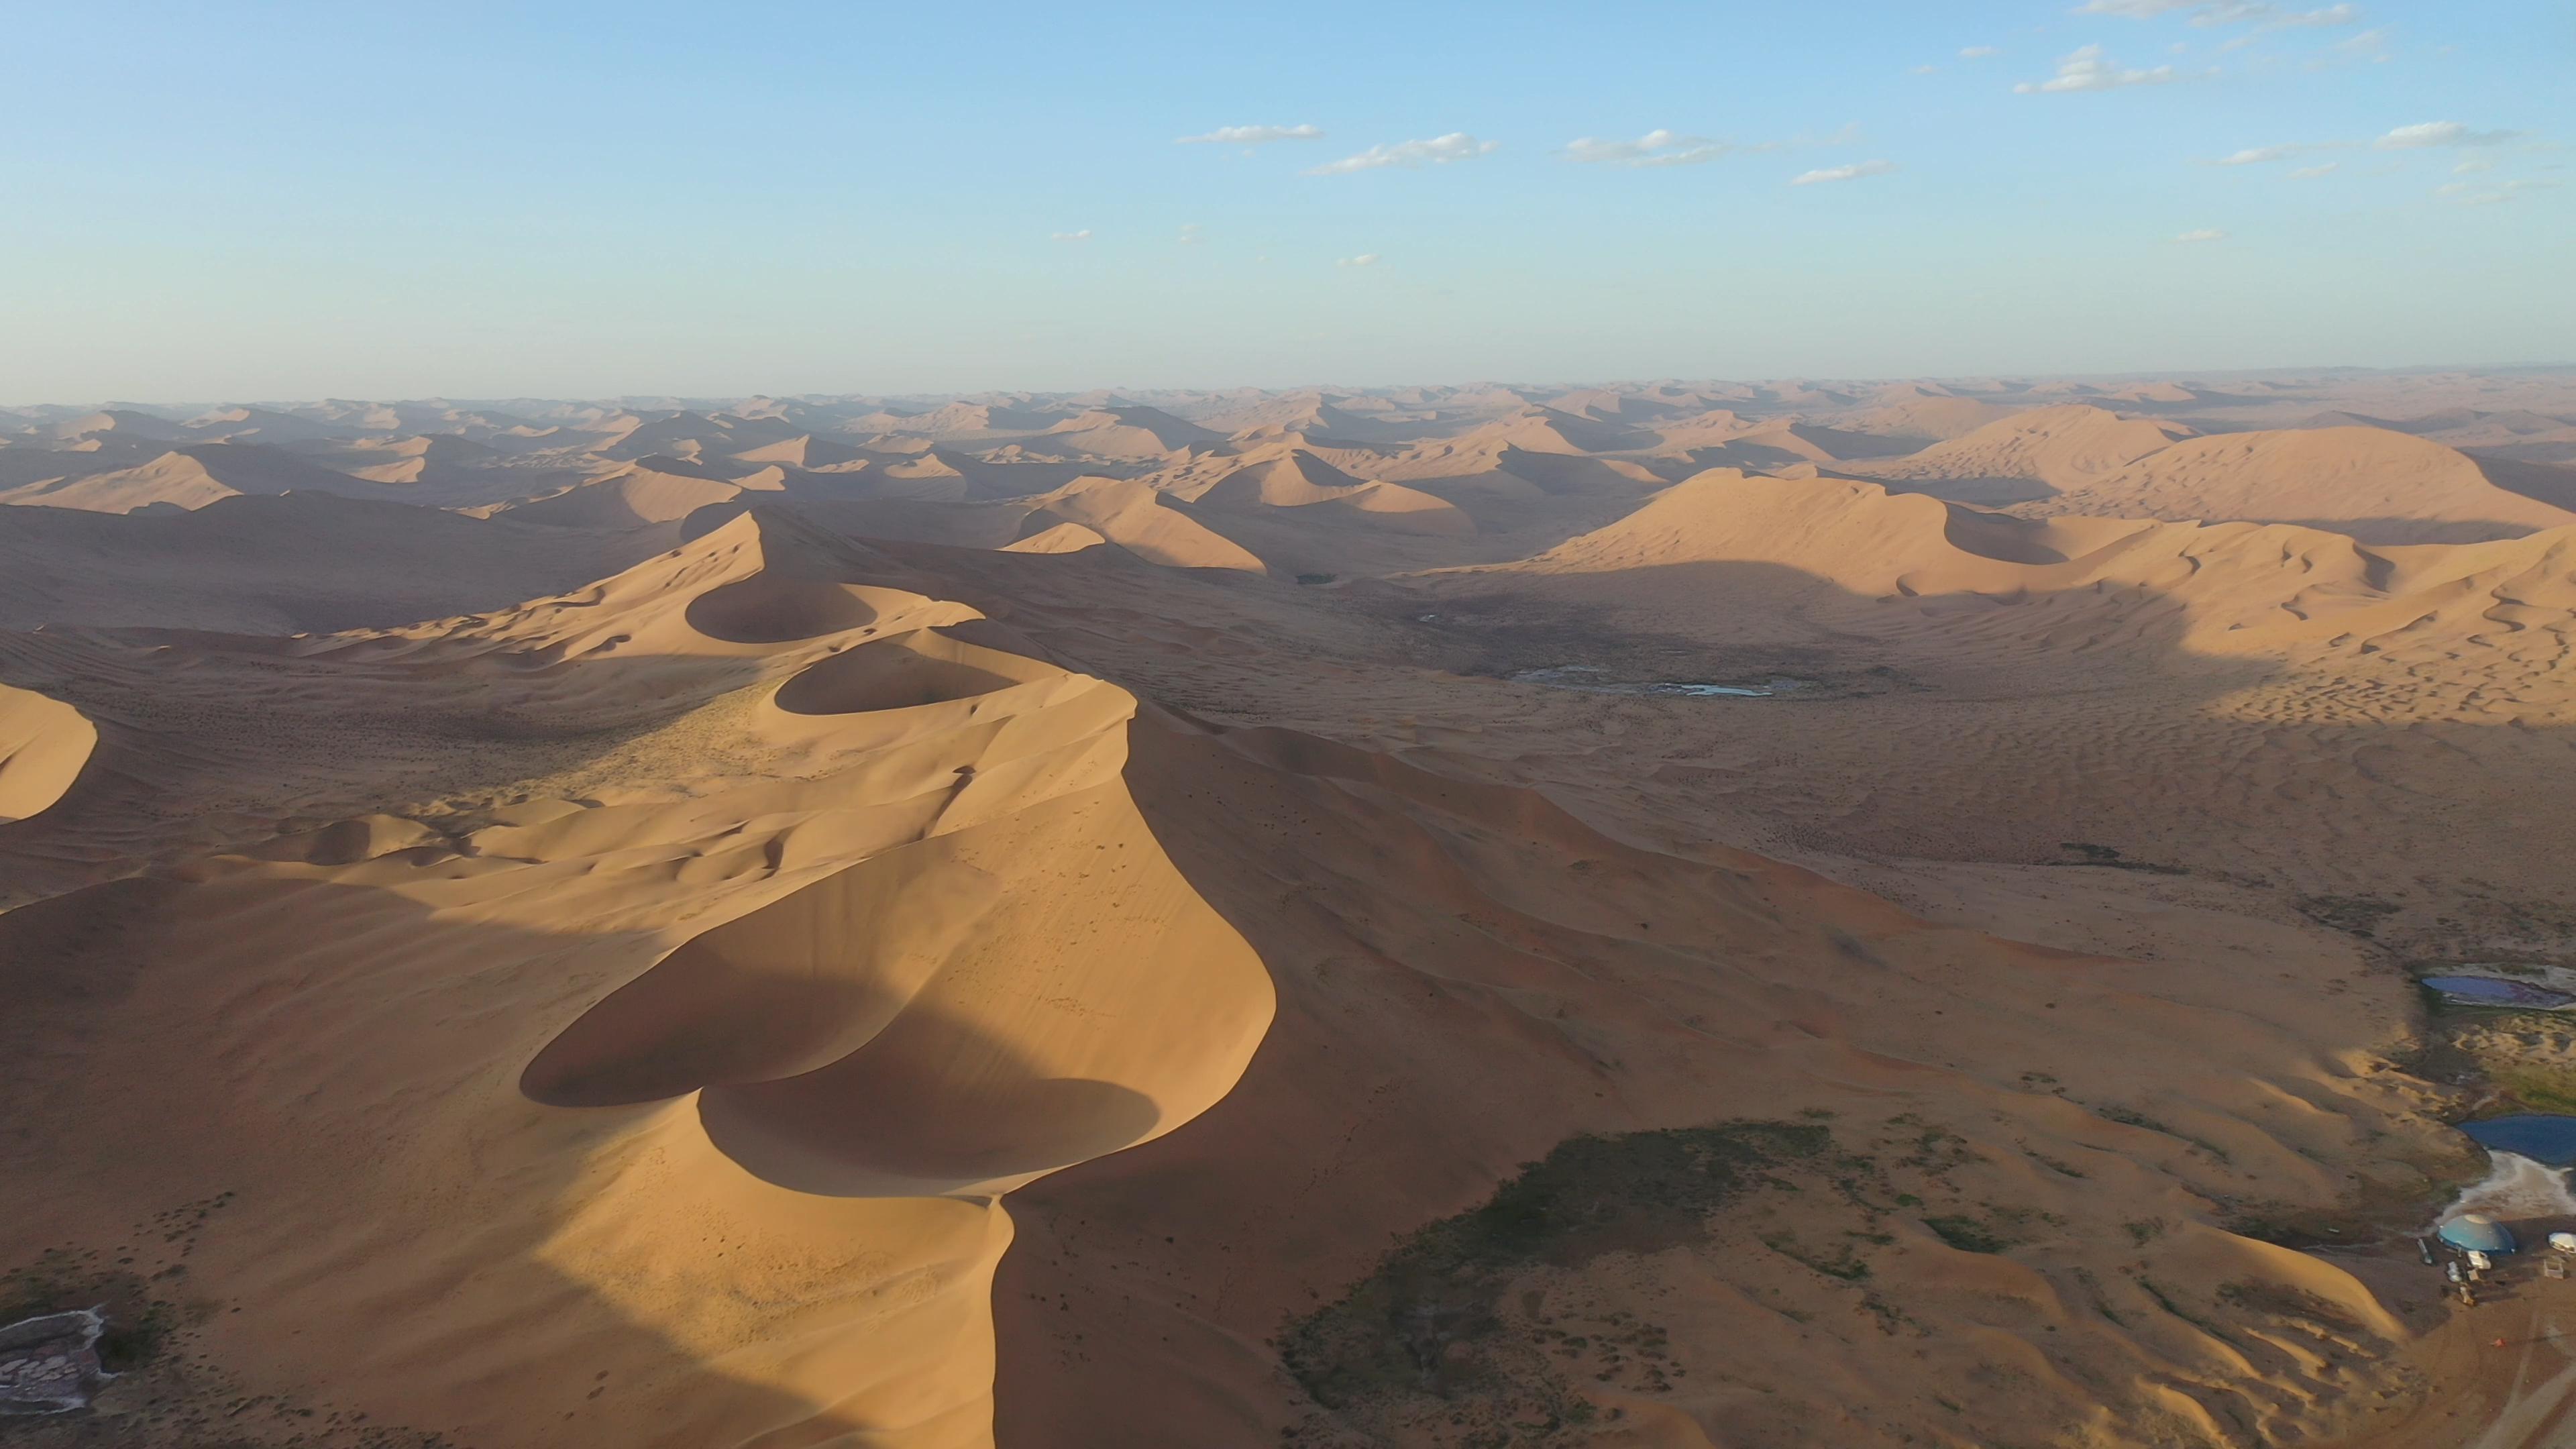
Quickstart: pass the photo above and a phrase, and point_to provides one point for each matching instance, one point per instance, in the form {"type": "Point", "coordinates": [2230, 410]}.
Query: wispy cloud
{"type": "Point", "coordinates": [1974, 51]}
{"type": "Point", "coordinates": [1192, 233]}
{"type": "Point", "coordinates": [2256, 155]}
{"type": "Point", "coordinates": [1251, 135]}
{"type": "Point", "coordinates": [2223, 12]}
{"type": "Point", "coordinates": [2439, 133]}
{"type": "Point", "coordinates": [2205, 234]}
{"type": "Point", "coordinates": [2087, 70]}
{"type": "Point", "coordinates": [2468, 194]}
{"type": "Point", "coordinates": [1456, 146]}
{"type": "Point", "coordinates": [1843, 173]}
{"type": "Point", "coordinates": [2311, 173]}
{"type": "Point", "coordinates": [1082, 235]}
{"type": "Point", "coordinates": [1364, 259]}
{"type": "Point", "coordinates": [1655, 148]}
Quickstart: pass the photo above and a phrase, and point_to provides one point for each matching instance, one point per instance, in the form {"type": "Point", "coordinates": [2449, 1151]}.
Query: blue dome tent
{"type": "Point", "coordinates": [2476, 1232]}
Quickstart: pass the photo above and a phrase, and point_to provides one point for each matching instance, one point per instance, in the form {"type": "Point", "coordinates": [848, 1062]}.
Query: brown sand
{"type": "Point", "coordinates": [991, 942]}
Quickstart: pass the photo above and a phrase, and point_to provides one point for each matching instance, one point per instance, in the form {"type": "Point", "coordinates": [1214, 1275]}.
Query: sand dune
{"type": "Point", "coordinates": [1128, 433]}
{"type": "Point", "coordinates": [2031, 454]}
{"type": "Point", "coordinates": [2378, 486]}
{"type": "Point", "coordinates": [643, 494]}
{"type": "Point", "coordinates": [1133, 516]}
{"type": "Point", "coordinates": [303, 561]}
{"type": "Point", "coordinates": [898, 922]}
{"type": "Point", "coordinates": [1349, 916]}
{"type": "Point", "coordinates": [189, 477]}
{"type": "Point", "coordinates": [43, 744]}
{"type": "Point", "coordinates": [2241, 586]}
{"type": "Point", "coordinates": [1300, 479]}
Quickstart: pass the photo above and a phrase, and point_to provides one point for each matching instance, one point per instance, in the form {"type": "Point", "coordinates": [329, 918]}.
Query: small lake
{"type": "Point", "coordinates": [1591, 680]}
{"type": "Point", "coordinates": [2543, 1139]}
{"type": "Point", "coordinates": [2497, 991]}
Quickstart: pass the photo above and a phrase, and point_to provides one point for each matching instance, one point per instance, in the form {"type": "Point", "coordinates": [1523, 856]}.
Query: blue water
{"type": "Point", "coordinates": [2495, 991]}
{"type": "Point", "coordinates": [2542, 1139]}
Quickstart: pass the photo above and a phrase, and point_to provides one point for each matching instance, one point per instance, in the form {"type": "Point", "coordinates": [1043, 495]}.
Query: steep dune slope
{"type": "Point", "coordinates": [43, 744]}
{"type": "Point", "coordinates": [2378, 486]}
{"type": "Point", "coordinates": [1470, 977]}
{"type": "Point", "coordinates": [667, 1115]}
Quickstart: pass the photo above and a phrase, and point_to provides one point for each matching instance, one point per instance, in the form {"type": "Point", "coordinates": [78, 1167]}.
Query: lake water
{"type": "Point", "coordinates": [2543, 1139]}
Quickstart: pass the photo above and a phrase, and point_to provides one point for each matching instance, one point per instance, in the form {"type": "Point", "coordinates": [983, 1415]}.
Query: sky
{"type": "Point", "coordinates": [234, 202]}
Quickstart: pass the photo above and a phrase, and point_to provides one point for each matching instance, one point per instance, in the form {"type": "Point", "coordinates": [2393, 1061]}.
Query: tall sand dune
{"type": "Point", "coordinates": [43, 744]}
{"type": "Point", "coordinates": [2035, 453]}
{"type": "Point", "coordinates": [671, 1116]}
{"type": "Point", "coordinates": [2378, 486]}
{"type": "Point", "coordinates": [189, 477]}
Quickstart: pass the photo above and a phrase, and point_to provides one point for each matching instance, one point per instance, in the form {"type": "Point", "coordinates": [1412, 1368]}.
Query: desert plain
{"type": "Point", "coordinates": [1678, 915]}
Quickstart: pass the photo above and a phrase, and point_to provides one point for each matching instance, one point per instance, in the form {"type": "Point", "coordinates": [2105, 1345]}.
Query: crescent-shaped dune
{"type": "Point", "coordinates": [43, 745]}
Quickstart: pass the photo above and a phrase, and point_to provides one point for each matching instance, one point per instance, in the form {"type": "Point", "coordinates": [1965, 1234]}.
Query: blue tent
{"type": "Point", "coordinates": [2477, 1232]}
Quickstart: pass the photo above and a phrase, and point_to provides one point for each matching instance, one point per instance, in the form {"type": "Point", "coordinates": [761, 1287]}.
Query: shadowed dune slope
{"type": "Point", "coordinates": [303, 561]}
{"type": "Point", "coordinates": [1470, 976]}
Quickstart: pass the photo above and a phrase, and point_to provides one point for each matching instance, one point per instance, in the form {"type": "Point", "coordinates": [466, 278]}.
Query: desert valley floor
{"type": "Point", "coordinates": [1661, 916]}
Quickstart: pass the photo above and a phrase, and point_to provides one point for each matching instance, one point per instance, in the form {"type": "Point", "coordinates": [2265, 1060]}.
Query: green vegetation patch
{"type": "Point", "coordinates": [1637, 1192]}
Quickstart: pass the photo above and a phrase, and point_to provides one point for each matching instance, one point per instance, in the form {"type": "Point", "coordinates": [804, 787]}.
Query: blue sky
{"type": "Point", "coordinates": [235, 201]}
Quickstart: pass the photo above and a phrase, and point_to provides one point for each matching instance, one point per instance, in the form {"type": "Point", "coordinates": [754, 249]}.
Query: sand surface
{"type": "Point", "coordinates": [1214, 919]}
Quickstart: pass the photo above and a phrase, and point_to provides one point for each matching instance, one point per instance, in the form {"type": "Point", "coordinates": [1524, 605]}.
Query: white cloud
{"type": "Point", "coordinates": [1924, 70]}
{"type": "Point", "coordinates": [1843, 173]}
{"type": "Point", "coordinates": [2205, 234]}
{"type": "Point", "coordinates": [2439, 133]}
{"type": "Point", "coordinates": [2271, 17]}
{"type": "Point", "coordinates": [2474, 197]}
{"type": "Point", "coordinates": [2253, 155]}
{"type": "Point", "coordinates": [1974, 51]}
{"type": "Point", "coordinates": [1082, 235]}
{"type": "Point", "coordinates": [2467, 166]}
{"type": "Point", "coordinates": [1456, 146]}
{"type": "Point", "coordinates": [1251, 135]}
{"type": "Point", "coordinates": [1655, 148]}
{"type": "Point", "coordinates": [1192, 233]}
{"type": "Point", "coordinates": [2222, 12]}
{"type": "Point", "coordinates": [1364, 259]}
{"type": "Point", "coordinates": [2086, 70]}
{"type": "Point", "coordinates": [2310, 173]}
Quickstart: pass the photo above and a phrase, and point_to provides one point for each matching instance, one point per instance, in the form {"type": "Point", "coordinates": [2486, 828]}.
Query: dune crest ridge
{"type": "Point", "coordinates": [712, 1084]}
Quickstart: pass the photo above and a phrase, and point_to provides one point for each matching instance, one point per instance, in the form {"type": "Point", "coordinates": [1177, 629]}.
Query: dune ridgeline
{"type": "Point", "coordinates": [1674, 916]}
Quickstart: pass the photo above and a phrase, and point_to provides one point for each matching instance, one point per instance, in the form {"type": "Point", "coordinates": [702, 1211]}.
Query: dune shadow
{"type": "Point", "coordinates": [119, 1033]}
